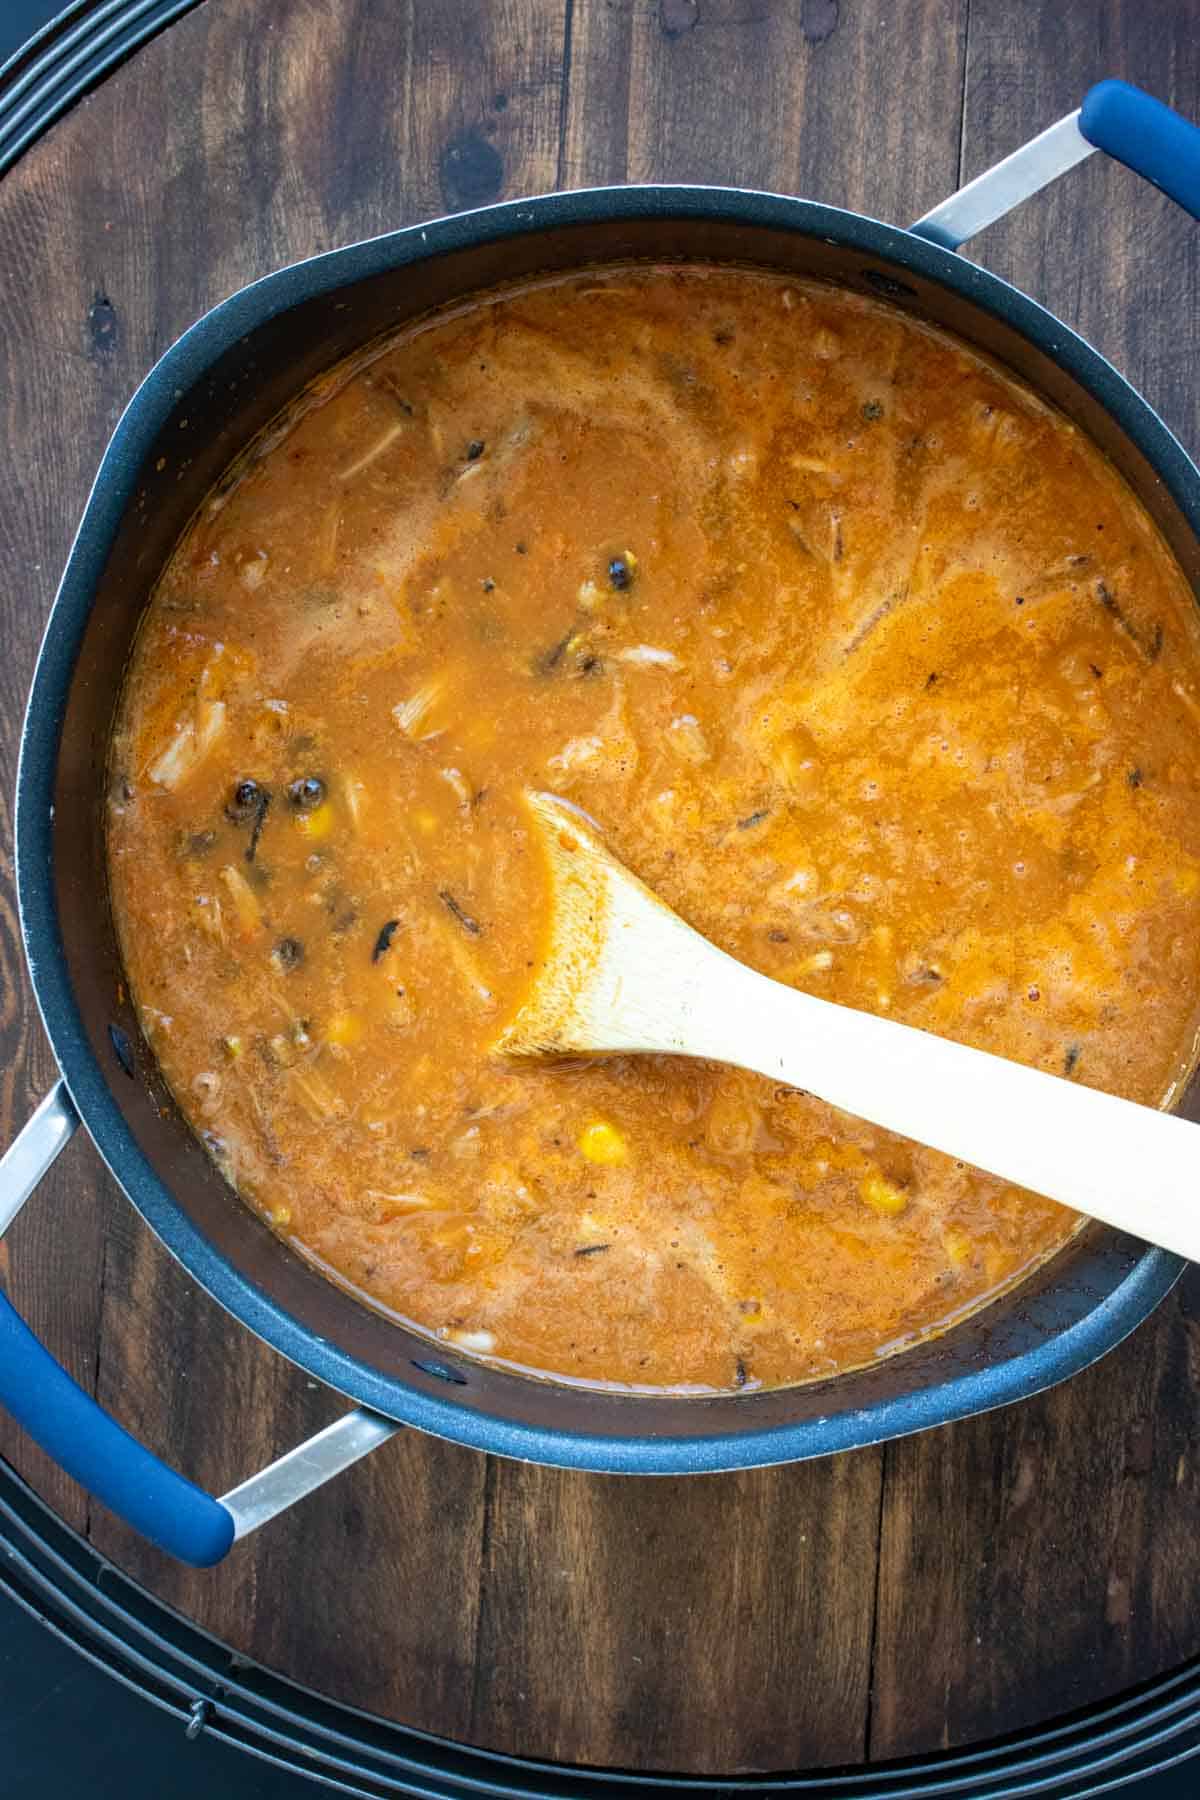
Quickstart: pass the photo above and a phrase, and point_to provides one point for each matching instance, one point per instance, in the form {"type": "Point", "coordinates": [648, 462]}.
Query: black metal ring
{"type": "Point", "coordinates": [71, 54]}
{"type": "Point", "coordinates": [120, 1628]}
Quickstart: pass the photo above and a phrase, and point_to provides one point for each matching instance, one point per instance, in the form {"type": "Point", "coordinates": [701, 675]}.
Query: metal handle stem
{"type": "Point", "coordinates": [1148, 137]}
{"type": "Point", "coordinates": [1042, 160]}
{"type": "Point", "coordinates": [33, 1150]}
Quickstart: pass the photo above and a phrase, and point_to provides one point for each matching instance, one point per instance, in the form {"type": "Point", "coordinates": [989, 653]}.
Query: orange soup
{"type": "Point", "coordinates": [862, 656]}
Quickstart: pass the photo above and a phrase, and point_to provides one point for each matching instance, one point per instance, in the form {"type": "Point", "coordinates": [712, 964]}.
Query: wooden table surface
{"type": "Point", "coordinates": [936, 1591]}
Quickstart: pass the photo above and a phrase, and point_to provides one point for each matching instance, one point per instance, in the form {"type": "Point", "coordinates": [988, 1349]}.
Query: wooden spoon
{"type": "Point", "coordinates": [623, 973]}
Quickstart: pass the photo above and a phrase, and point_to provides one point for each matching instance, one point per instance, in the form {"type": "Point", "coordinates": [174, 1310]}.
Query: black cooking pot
{"type": "Point", "coordinates": [218, 386]}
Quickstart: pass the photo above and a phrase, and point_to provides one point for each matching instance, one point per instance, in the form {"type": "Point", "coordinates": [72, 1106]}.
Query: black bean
{"type": "Point", "coordinates": [475, 449]}
{"type": "Point", "coordinates": [1071, 1059]}
{"type": "Point", "coordinates": [488, 585]}
{"type": "Point", "coordinates": [288, 953]}
{"type": "Point", "coordinates": [740, 1375]}
{"type": "Point", "coordinates": [620, 574]}
{"type": "Point", "coordinates": [383, 942]}
{"type": "Point", "coordinates": [249, 801]}
{"type": "Point", "coordinates": [244, 802]}
{"type": "Point", "coordinates": [307, 793]}
{"type": "Point", "coordinates": [1134, 778]}
{"type": "Point", "coordinates": [931, 679]}
{"type": "Point", "coordinates": [464, 918]}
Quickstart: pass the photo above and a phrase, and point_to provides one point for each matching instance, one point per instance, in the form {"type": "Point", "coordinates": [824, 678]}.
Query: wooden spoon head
{"type": "Point", "coordinates": [554, 1017]}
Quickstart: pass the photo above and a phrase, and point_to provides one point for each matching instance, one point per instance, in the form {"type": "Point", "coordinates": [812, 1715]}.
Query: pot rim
{"type": "Point", "coordinates": [185, 363]}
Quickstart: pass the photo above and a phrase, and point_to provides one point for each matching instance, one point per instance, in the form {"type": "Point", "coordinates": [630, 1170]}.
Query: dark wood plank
{"type": "Point", "coordinates": [1042, 1557]}
{"type": "Point", "coordinates": [799, 96]}
{"type": "Point", "coordinates": [59, 395]}
{"type": "Point", "coordinates": [721, 1622]}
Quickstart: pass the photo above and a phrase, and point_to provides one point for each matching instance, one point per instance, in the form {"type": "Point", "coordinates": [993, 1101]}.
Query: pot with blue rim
{"type": "Point", "coordinates": [224, 379]}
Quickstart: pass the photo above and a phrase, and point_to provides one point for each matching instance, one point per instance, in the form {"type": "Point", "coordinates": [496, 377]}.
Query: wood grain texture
{"type": "Point", "coordinates": [1040, 1557]}
{"type": "Point", "coordinates": [1101, 248]}
{"type": "Point", "coordinates": [1035, 1559]}
{"type": "Point", "coordinates": [792, 95]}
{"type": "Point", "coordinates": [717, 1622]}
{"type": "Point", "coordinates": [740, 1622]}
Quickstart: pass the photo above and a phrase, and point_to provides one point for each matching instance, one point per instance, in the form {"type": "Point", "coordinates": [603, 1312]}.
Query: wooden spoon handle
{"type": "Point", "coordinates": [1132, 1166]}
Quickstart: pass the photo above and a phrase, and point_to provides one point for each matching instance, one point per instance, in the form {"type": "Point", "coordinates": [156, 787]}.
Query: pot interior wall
{"type": "Point", "coordinates": [205, 426]}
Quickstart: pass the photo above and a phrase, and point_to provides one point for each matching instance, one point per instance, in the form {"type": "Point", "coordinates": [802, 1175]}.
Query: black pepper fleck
{"type": "Point", "coordinates": [384, 941]}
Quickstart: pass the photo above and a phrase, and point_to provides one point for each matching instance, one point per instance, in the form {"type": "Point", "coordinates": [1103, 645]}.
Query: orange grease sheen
{"type": "Point", "coordinates": [865, 659]}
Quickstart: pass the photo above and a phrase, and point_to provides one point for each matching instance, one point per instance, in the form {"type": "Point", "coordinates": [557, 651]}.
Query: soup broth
{"type": "Point", "coordinates": [860, 654]}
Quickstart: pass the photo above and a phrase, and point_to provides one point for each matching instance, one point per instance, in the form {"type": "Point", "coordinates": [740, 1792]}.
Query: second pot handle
{"type": "Point", "coordinates": [1147, 136]}
{"type": "Point", "coordinates": [1115, 117]}
{"type": "Point", "coordinates": [94, 1450]}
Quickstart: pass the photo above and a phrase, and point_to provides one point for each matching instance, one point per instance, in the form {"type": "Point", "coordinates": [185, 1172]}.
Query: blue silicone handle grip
{"type": "Point", "coordinates": [1148, 137]}
{"type": "Point", "coordinates": [101, 1456]}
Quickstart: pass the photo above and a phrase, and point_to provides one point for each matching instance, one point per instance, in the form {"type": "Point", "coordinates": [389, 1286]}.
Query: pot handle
{"type": "Point", "coordinates": [100, 1454]}
{"type": "Point", "coordinates": [1116, 117]}
{"type": "Point", "coordinates": [1147, 136]}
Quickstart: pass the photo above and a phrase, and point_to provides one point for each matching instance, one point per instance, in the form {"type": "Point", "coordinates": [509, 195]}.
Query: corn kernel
{"type": "Point", "coordinates": [424, 820]}
{"type": "Point", "coordinates": [1186, 882]}
{"type": "Point", "coordinates": [343, 1029]}
{"type": "Point", "coordinates": [233, 1047]}
{"type": "Point", "coordinates": [793, 756]}
{"type": "Point", "coordinates": [316, 824]}
{"type": "Point", "coordinates": [882, 1196]}
{"type": "Point", "coordinates": [281, 1217]}
{"type": "Point", "coordinates": [958, 1247]}
{"type": "Point", "coordinates": [603, 1143]}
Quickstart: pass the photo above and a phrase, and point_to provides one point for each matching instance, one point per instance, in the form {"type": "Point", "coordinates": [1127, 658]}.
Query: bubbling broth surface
{"type": "Point", "coordinates": [862, 656]}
